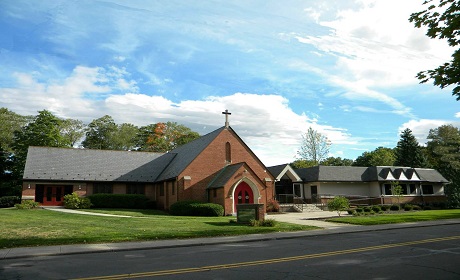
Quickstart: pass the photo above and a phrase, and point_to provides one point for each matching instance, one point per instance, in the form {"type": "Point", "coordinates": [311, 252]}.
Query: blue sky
{"type": "Point", "coordinates": [345, 68]}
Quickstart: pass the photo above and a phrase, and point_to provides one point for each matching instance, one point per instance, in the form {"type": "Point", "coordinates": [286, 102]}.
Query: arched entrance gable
{"type": "Point", "coordinates": [246, 192]}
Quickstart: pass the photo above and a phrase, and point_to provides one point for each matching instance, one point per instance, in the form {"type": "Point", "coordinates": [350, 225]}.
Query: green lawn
{"type": "Point", "coordinates": [39, 227]}
{"type": "Point", "coordinates": [399, 217]}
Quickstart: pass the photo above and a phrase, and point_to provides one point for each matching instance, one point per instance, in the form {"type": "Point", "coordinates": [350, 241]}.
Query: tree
{"type": "Point", "coordinates": [339, 204]}
{"type": "Point", "coordinates": [302, 163]}
{"type": "Point", "coordinates": [72, 130]}
{"type": "Point", "coordinates": [314, 147]}
{"type": "Point", "coordinates": [337, 161]}
{"type": "Point", "coordinates": [443, 149]}
{"type": "Point", "coordinates": [44, 130]}
{"type": "Point", "coordinates": [408, 152]}
{"type": "Point", "coordinates": [442, 18]}
{"type": "Point", "coordinates": [396, 190]}
{"type": "Point", "coordinates": [379, 157]}
{"type": "Point", "coordinates": [99, 134]}
{"type": "Point", "coordinates": [9, 123]}
{"type": "Point", "coordinates": [164, 137]}
{"type": "Point", "coordinates": [124, 137]}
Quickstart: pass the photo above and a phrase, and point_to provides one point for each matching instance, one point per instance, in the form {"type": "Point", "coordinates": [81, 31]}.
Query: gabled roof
{"type": "Point", "coordinates": [66, 164]}
{"type": "Point", "coordinates": [185, 154]}
{"type": "Point", "coordinates": [367, 174]}
{"type": "Point", "coordinates": [224, 176]}
{"type": "Point", "coordinates": [284, 169]}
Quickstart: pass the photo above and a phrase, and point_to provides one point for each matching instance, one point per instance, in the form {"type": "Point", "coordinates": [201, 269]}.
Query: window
{"type": "Point", "coordinates": [412, 189]}
{"type": "Point", "coordinates": [228, 152]}
{"type": "Point", "coordinates": [173, 189]}
{"type": "Point", "coordinates": [297, 190]}
{"type": "Point", "coordinates": [404, 189]}
{"type": "Point", "coordinates": [387, 189]}
{"type": "Point", "coordinates": [135, 189]}
{"type": "Point", "coordinates": [162, 190]}
{"type": "Point", "coordinates": [102, 188]}
{"type": "Point", "coordinates": [427, 189]}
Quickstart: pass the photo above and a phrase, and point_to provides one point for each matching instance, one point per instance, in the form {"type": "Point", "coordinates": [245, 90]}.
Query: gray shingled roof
{"type": "Point", "coordinates": [224, 176]}
{"type": "Point", "coordinates": [368, 174]}
{"type": "Point", "coordinates": [45, 163]}
{"type": "Point", "coordinates": [277, 169]}
{"type": "Point", "coordinates": [186, 154]}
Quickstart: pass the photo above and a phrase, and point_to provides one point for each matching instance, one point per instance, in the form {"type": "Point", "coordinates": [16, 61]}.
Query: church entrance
{"type": "Point", "coordinates": [243, 195]}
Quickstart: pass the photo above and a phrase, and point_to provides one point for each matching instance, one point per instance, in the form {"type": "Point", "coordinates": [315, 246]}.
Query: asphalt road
{"type": "Point", "coordinates": [412, 253]}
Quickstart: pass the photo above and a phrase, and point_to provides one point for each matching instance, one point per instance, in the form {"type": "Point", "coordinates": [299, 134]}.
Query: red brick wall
{"type": "Point", "coordinates": [206, 166]}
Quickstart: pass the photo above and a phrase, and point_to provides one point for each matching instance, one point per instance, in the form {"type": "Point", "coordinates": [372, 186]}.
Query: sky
{"type": "Point", "coordinates": [345, 68]}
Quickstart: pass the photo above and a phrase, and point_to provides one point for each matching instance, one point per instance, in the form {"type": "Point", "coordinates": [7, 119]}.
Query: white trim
{"type": "Point", "coordinates": [290, 173]}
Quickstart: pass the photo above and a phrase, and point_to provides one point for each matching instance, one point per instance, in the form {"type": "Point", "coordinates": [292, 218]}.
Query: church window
{"type": "Point", "coordinates": [228, 152]}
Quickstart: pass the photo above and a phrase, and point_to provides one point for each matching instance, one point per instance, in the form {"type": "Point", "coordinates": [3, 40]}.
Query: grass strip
{"type": "Point", "coordinates": [399, 217]}
{"type": "Point", "coordinates": [20, 228]}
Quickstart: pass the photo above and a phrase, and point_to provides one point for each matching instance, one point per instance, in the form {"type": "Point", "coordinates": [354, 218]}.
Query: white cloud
{"type": "Point", "coordinates": [421, 128]}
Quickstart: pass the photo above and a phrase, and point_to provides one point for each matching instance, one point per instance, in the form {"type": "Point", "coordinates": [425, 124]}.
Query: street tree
{"type": "Point", "coordinates": [379, 157]}
{"type": "Point", "coordinates": [408, 151]}
{"type": "Point", "coordinates": [315, 146]}
{"type": "Point", "coordinates": [442, 20]}
{"type": "Point", "coordinates": [338, 204]}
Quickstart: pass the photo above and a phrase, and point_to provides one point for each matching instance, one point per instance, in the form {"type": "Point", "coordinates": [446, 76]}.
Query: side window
{"type": "Point", "coordinates": [102, 188]}
{"type": "Point", "coordinates": [427, 189]}
{"type": "Point", "coordinates": [228, 152]}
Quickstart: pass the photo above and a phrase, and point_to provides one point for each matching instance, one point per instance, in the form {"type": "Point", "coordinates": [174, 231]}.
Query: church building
{"type": "Point", "coordinates": [217, 167]}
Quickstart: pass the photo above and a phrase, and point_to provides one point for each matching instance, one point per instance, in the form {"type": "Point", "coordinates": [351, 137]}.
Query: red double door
{"type": "Point", "coordinates": [53, 195]}
{"type": "Point", "coordinates": [243, 194]}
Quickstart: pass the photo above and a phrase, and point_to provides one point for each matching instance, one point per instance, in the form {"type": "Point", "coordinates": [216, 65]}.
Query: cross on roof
{"type": "Point", "coordinates": [226, 113]}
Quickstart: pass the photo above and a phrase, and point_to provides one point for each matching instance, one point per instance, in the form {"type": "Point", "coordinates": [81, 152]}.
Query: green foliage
{"type": "Point", "coordinates": [359, 210]}
{"type": "Point", "coordinates": [9, 201]}
{"type": "Point", "coordinates": [442, 20]}
{"type": "Point", "coordinates": [128, 201]}
{"type": "Point", "coordinates": [264, 223]}
{"type": "Point", "coordinates": [73, 201]}
{"type": "Point", "coordinates": [338, 203]}
{"type": "Point", "coordinates": [27, 204]}
{"type": "Point", "coordinates": [384, 207]}
{"type": "Point", "coordinates": [302, 163]}
{"type": "Point", "coordinates": [408, 207]}
{"type": "Point", "coordinates": [376, 208]}
{"type": "Point", "coordinates": [100, 134]}
{"type": "Point", "coordinates": [72, 130]}
{"type": "Point", "coordinates": [163, 137]}
{"type": "Point", "coordinates": [273, 206]}
{"type": "Point", "coordinates": [395, 207]}
{"type": "Point", "coordinates": [396, 190]}
{"type": "Point", "coordinates": [314, 147]}
{"type": "Point", "coordinates": [195, 208]}
{"type": "Point", "coordinates": [9, 123]}
{"type": "Point", "coordinates": [408, 152]}
{"type": "Point", "coordinates": [379, 157]}
{"type": "Point", "coordinates": [336, 161]}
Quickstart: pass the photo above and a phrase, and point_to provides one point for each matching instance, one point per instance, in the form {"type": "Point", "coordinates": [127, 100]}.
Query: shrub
{"type": "Point", "coordinates": [269, 223]}
{"type": "Point", "coordinates": [195, 208]}
{"type": "Point", "coordinates": [350, 211]}
{"type": "Point", "coordinates": [376, 208]}
{"type": "Point", "coordinates": [338, 203]}
{"type": "Point", "coordinates": [73, 201]}
{"type": "Point", "coordinates": [385, 207]}
{"type": "Point", "coordinates": [27, 204]}
{"type": "Point", "coordinates": [9, 201]}
{"type": "Point", "coordinates": [426, 207]}
{"type": "Point", "coordinates": [417, 207]}
{"type": "Point", "coordinates": [273, 206]}
{"type": "Point", "coordinates": [408, 207]}
{"type": "Point", "coordinates": [128, 201]}
{"type": "Point", "coordinates": [359, 210]}
{"type": "Point", "coordinates": [367, 209]}
{"type": "Point", "coordinates": [395, 207]}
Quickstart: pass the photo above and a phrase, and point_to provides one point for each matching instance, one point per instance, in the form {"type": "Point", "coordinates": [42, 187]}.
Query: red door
{"type": "Point", "coordinates": [53, 195]}
{"type": "Point", "coordinates": [243, 194]}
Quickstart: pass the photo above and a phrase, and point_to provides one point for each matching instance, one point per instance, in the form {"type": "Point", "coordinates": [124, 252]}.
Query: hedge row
{"type": "Point", "coordinates": [130, 201]}
{"type": "Point", "coordinates": [9, 201]}
{"type": "Point", "coordinates": [195, 208]}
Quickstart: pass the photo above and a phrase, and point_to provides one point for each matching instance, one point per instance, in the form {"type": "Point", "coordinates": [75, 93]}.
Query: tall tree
{"type": "Point", "coordinates": [314, 147]}
{"type": "Point", "coordinates": [124, 137]}
{"type": "Point", "coordinates": [99, 134]}
{"type": "Point", "coordinates": [9, 123]}
{"type": "Point", "coordinates": [337, 161]}
{"type": "Point", "coordinates": [73, 130]}
{"type": "Point", "coordinates": [163, 137]}
{"type": "Point", "coordinates": [442, 19]}
{"type": "Point", "coordinates": [444, 154]}
{"type": "Point", "coordinates": [408, 151]}
{"type": "Point", "coordinates": [44, 130]}
{"type": "Point", "coordinates": [379, 157]}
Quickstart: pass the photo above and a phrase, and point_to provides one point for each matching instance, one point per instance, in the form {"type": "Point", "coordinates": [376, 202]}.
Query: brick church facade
{"type": "Point", "coordinates": [217, 167]}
